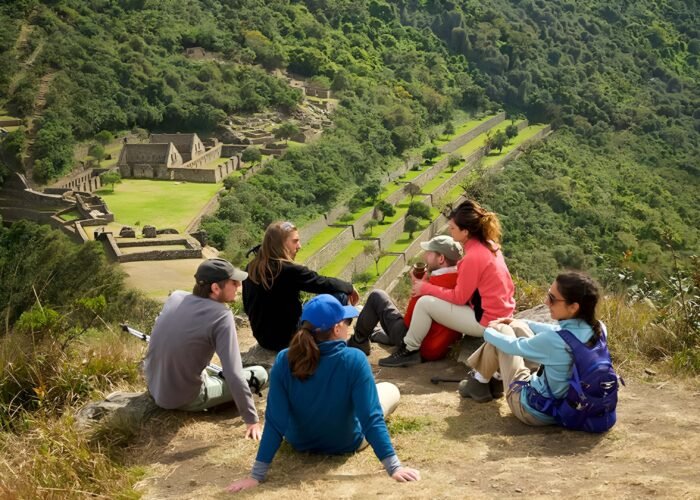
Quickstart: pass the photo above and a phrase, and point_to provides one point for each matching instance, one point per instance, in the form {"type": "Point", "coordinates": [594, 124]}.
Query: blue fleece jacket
{"type": "Point", "coordinates": [546, 348]}
{"type": "Point", "coordinates": [329, 413]}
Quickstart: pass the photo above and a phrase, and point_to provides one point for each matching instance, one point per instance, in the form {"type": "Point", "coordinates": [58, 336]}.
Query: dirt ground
{"type": "Point", "coordinates": [462, 449]}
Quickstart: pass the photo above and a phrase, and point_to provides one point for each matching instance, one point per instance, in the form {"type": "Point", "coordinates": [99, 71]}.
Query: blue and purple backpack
{"type": "Point", "coordinates": [590, 402]}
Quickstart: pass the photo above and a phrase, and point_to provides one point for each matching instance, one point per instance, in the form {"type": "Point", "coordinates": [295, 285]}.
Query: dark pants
{"type": "Point", "coordinates": [379, 308]}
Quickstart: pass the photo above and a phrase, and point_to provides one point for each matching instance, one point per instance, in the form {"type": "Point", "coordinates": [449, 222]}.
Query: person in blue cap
{"type": "Point", "coordinates": [323, 398]}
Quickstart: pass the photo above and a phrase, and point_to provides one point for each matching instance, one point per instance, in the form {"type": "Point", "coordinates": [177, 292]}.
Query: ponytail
{"type": "Point", "coordinates": [304, 354]}
{"type": "Point", "coordinates": [481, 224]}
{"type": "Point", "coordinates": [490, 230]}
{"type": "Point", "coordinates": [578, 287]}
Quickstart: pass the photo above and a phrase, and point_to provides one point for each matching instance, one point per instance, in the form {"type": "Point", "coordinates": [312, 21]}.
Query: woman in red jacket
{"type": "Point", "coordinates": [482, 269]}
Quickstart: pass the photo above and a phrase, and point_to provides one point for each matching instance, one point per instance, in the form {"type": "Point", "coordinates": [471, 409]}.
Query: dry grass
{"type": "Point", "coordinates": [52, 460]}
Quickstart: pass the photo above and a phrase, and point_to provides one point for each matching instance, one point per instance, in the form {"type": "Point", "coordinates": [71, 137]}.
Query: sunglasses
{"type": "Point", "coordinates": [552, 299]}
{"type": "Point", "coordinates": [287, 226]}
{"type": "Point", "coordinates": [348, 321]}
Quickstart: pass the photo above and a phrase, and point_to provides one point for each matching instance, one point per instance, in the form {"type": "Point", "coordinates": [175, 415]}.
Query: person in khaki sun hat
{"type": "Point", "coordinates": [189, 329]}
{"type": "Point", "coordinates": [483, 269]}
{"type": "Point", "coordinates": [440, 257]}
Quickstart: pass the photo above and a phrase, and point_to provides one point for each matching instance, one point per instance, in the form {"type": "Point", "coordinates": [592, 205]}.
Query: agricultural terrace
{"type": "Point", "coordinates": [322, 238]}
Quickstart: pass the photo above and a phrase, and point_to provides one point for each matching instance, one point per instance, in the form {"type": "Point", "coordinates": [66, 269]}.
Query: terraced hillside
{"type": "Point", "coordinates": [377, 254]}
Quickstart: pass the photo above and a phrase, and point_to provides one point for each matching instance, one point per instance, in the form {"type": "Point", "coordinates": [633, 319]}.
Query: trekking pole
{"type": "Point", "coordinates": [211, 367]}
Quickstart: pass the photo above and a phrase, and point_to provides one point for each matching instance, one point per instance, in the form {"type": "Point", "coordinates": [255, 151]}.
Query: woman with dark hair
{"type": "Point", "coordinates": [482, 270]}
{"type": "Point", "coordinates": [271, 294]}
{"type": "Point", "coordinates": [323, 398]}
{"type": "Point", "coordinates": [572, 300]}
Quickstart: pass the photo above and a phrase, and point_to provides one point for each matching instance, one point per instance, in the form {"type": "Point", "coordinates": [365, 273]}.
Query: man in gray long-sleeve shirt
{"type": "Point", "coordinates": [189, 329]}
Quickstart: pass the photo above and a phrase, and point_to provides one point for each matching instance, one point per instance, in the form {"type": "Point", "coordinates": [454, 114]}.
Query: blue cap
{"type": "Point", "coordinates": [324, 311]}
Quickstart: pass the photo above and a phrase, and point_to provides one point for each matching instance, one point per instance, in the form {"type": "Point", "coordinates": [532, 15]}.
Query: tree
{"type": "Point", "coordinates": [430, 153]}
{"type": "Point", "coordinates": [488, 143]}
{"type": "Point", "coordinates": [370, 225]}
{"type": "Point", "coordinates": [361, 277]}
{"type": "Point", "coordinates": [104, 137]}
{"type": "Point", "coordinates": [285, 131]}
{"type": "Point", "coordinates": [449, 129]}
{"type": "Point", "coordinates": [111, 177]}
{"type": "Point", "coordinates": [97, 151]}
{"type": "Point", "coordinates": [419, 209]}
{"type": "Point", "coordinates": [511, 131]}
{"type": "Point", "coordinates": [372, 190]}
{"type": "Point", "coordinates": [251, 155]}
{"type": "Point", "coordinates": [231, 181]}
{"type": "Point", "coordinates": [412, 190]}
{"type": "Point", "coordinates": [454, 162]}
{"type": "Point", "coordinates": [499, 140]}
{"type": "Point", "coordinates": [411, 225]}
{"type": "Point", "coordinates": [375, 252]}
{"type": "Point", "coordinates": [386, 209]}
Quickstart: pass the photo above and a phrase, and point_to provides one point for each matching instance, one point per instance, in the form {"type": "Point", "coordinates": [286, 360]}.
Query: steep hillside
{"type": "Point", "coordinates": [622, 78]}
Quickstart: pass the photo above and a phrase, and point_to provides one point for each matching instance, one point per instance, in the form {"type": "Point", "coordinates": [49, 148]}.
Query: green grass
{"type": "Point", "coordinates": [70, 215]}
{"type": "Point", "coordinates": [522, 136]}
{"type": "Point", "coordinates": [319, 240]}
{"type": "Point", "coordinates": [461, 127]}
{"type": "Point", "coordinates": [344, 257]}
{"type": "Point", "coordinates": [402, 425]}
{"type": "Point", "coordinates": [479, 140]}
{"type": "Point", "coordinates": [436, 181]}
{"type": "Point", "coordinates": [158, 203]}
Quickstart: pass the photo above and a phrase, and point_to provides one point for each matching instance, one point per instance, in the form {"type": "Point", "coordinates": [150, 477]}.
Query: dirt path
{"type": "Point", "coordinates": [463, 449]}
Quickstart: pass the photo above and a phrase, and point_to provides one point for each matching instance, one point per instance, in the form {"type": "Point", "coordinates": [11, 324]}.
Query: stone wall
{"type": "Point", "coordinates": [88, 181]}
{"type": "Point", "coordinates": [317, 92]}
{"type": "Point", "coordinates": [154, 242]}
{"type": "Point", "coordinates": [460, 141]}
{"type": "Point", "coordinates": [162, 255]}
{"type": "Point", "coordinates": [208, 157]}
{"type": "Point", "coordinates": [391, 234]}
{"type": "Point", "coordinates": [231, 150]}
{"type": "Point", "coordinates": [397, 268]}
{"type": "Point", "coordinates": [46, 200]}
{"type": "Point", "coordinates": [13, 122]}
{"type": "Point", "coordinates": [325, 255]}
{"type": "Point", "coordinates": [358, 264]}
{"type": "Point", "coordinates": [439, 192]}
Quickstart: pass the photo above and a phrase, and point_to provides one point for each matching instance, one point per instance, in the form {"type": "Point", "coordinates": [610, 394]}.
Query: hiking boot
{"type": "Point", "coordinates": [472, 388]}
{"type": "Point", "coordinates": [362, 346]}
{"type": "Point", "coordinates": [379, 336]}
{"type": "Point", "coordinates": [401, 357]}
{"type": "Point", "coordinates": [496, 387]}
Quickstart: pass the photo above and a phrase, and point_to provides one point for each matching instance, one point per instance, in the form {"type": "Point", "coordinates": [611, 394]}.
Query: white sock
{"type": "Point", "coordinates": [497, 375]}
{"type": "Point", "coordinates": [480, 378]}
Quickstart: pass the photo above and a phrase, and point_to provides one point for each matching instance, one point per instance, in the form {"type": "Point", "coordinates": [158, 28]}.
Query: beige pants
{"type": "Point", "coordinates": [487, 360]}
{"type": "Point", "coordinates": [389, 396]}
{"type": "Point", "coordinates": [428, 309]}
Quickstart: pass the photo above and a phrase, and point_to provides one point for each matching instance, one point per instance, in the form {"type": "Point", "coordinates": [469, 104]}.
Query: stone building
{"type": "Point", "coordinates": [180, 157]}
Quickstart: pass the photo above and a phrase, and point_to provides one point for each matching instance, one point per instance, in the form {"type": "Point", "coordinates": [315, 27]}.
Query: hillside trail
{"type": "Point", "coordinates": [33, 124]}
{"type": "Point", "coordinates": [463, 449]}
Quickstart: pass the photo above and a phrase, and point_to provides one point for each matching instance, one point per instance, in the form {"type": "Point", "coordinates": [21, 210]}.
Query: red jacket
{"type": "Point", "coordinates": [437, 343]}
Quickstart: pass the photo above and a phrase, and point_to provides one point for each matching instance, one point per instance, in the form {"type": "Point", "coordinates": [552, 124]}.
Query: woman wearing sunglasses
{"type": "Point", "coordinates": [572, 300]}
{"type": "Point", "coordinates": [323, 398]}
{"type": "Point", "coordinates": [271, 294]}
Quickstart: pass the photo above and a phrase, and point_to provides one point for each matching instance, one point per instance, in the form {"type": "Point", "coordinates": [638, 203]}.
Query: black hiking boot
{"type": "Point", "coordinates": [401, 357]}
{"type": "Point", "coordinates": [496, 387]}
{"type": "Point", "coordinates": [362, 346]}
{"type": "Point", "coordinates": [472, 388]}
